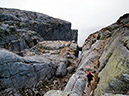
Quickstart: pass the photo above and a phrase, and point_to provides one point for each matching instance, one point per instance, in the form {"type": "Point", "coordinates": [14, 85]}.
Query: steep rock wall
{"type": "Point", "coordinates": [21, 29]}
{"type": "Point", "coordinates": [106, 54]}
{"type": "Point", "coordinates": [114, 70]}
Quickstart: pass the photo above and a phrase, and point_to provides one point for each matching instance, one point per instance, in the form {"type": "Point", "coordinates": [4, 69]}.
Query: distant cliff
{"type": "Point", "coordinates": [21, 29]}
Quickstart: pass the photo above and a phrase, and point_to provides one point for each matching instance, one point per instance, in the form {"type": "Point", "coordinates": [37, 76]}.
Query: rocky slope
{"type": "Point", "coordinates": [47, 64]}
{"type": "Point", "coordinates": [21, 29]}
{"type": "Point", "coordinates": [106, 54]}
{"type": "Point", "coordinates": [48, 48]}
{"type": "Point", "coordinates": [114, 69]}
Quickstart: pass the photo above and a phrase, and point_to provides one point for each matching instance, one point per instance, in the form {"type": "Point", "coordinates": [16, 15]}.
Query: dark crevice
{"type": "Point", "coordinates": [27, 43]}
{"type": "Point", "coordinates": [125, 45]}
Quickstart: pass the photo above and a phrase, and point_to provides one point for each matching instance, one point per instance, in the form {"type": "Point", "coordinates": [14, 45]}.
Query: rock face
{"type": "Point", "coordinates": [23, 29]}
{"type": "Point", "coordinates": [48, 47]}
{"type": "Point", "coordinates": [104, 53]}
{"type": "Point", "coordinates": [115, 74]}
{"type": "Point", "coordinates": [47, 60]}
{"type": "Point", "coordinates": [47, 65]}
{"type": "Point", "coordinates": [17, 72]}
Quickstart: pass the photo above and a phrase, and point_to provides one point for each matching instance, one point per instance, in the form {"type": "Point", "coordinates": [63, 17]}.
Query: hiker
{"type": "Point", "coordinates": [90, 78]}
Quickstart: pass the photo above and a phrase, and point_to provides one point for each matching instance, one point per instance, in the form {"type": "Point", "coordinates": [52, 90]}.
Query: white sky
{"type": "Point", "coordinates": [87, 16]}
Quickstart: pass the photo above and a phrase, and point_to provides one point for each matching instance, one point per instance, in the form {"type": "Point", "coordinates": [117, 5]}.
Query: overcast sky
{"type": "Point", "coordinates": [87, 16]}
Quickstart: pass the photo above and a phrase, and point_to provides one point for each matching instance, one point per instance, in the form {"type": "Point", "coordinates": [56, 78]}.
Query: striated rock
{"type": "Point", "coordinates": [16, 73]}
{"type": "Point", "coordinates": [105, 53]}
{"type": "Point", "coordinates": [76, 83]}
{"type": "Point", "coordinates": [19, 39]}
{"type": "Point", "coordinates": [114, 62]}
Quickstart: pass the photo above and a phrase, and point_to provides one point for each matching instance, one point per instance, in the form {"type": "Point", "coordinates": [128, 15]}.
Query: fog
{"type": "Point", "coordinates": [87, 16]}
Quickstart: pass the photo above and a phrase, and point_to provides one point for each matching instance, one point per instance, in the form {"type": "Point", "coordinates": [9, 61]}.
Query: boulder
{"type": "Point", "coordinates": [61, 70]}
{"type": "Point", "coordinates": [16, 73]}
{"type": "Point", "coordinates": [71, 69]}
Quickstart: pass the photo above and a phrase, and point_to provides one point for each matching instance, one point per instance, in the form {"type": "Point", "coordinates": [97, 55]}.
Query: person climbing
{"type": "Point", "coordinates": [90, 78]}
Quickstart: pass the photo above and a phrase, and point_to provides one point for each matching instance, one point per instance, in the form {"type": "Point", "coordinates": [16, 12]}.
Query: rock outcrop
{"type": "Point", "coordinates": [47, 60]}
{"type": "Point", "coordinates": [17, 72]}
{"type": "Point", "coordinates": [21, 29]}
{"type": "Point", "coordinates": [114, 69]}
{"type": "Point", "coordinates": [49, 51]}
{"type": "Point", "coordinates": [104, 53]}
{"type": "Point", "coordinates": [47, 64]}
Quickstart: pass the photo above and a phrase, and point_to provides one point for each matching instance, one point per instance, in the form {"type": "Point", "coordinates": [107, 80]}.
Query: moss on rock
{"type": "Point", "coordinates": [111, 76]}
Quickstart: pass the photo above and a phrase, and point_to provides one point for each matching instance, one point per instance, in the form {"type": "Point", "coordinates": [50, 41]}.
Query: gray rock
{"type": "Point", "coordinates": [66, 62]}
{"type": "Point", "coordinates": [125, 77]}
{"type": "Point", "coordinates": [61, 70]}
{"type": "Point", "coordinates": [114, 60]}
{"type": "Point", "coordinates": [60, 93]}
{"type": "Point", "coordinates": [7, 57]}
{"type": "Point", "coordinates": [20, 30]}
{"type": "Point", "coordinates": [76, 83]}
{"type": "Point", "coordinates": [14, 23]}
{"type": "Point", "coordinates": [75, 47]}
{"type": "Point", "coordinates": [79, 87]}
{"type": "Point", "coordinates": [71, 69]}
{"type": "Point", "coordinates": [123, 19]}
{"type": "Point", "coordinates": [15, 73]}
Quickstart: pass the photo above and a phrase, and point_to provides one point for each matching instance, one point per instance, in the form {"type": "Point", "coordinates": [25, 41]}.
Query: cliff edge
{"type": "Point", "coordinates": [21, 29]}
